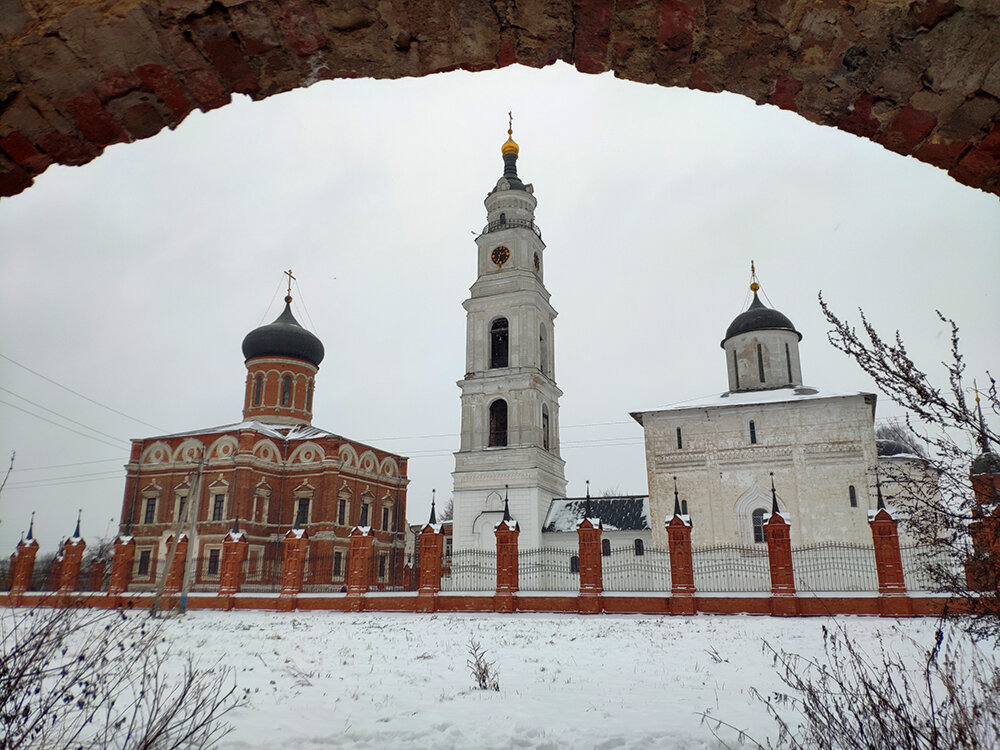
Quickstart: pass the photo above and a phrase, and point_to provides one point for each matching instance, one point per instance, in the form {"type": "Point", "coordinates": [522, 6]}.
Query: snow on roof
{"type": "Point", "coordinates": [278, 431]}
{"type": "Point", "coordinates": [622, 513]}
{"type": "Point", "coordinates": [746, 398]}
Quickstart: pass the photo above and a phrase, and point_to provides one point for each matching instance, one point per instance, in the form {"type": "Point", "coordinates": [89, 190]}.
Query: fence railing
{"type": "Point", "coordinates": [926, 567]}
{"type": "Point", "coordinates": [471, 570]}
{"type": "Point", "coordinates": [833, 566]}
{"type": "Point", "coordinates": [730, 568]}
{"type": "Point", "coordinates": [548, 569]}
{"type": "Point", "coordinates": [628, 569]}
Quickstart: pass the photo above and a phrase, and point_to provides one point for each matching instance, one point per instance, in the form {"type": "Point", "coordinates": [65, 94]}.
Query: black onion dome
{"type": "Point", "coordinates": [283, 338]}
{"type": "Point", "coordinates": [759, 318]}
{"type": "Point", "coordinates": [987, 462]}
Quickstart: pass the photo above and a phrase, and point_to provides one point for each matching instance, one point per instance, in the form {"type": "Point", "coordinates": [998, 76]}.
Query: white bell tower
{"type": "Point", "coordinates": [510, 401]}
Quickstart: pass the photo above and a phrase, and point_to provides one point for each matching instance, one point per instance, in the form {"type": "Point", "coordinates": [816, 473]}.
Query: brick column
{"type": "Point", "coordinates": [431, 543]}
{"type": "Point", "coordinates": [121, 564]}
{"type": "Point", "coordinates": [175, 575]}
{"type": "Point", "coordinates": [72, 561]}
{"type": "Point", "coordinates": [95, 574]}
{"type": "Point", "coordinates": [982, 570]}
{"type": "Point", "coordinates": [682, 599]}
{"type": "Point", "coordinates": [589, 531]}
{"type": "Point", "coordinates": [777, 532]}
{"type": "Point", "coordinates": [293, 566]}
{"type": "Point", "coordinates": [508, 575]}
{"type": "Point", "coordinates": [359, 565]}
{"type": "Point", "coordinates": [893, 601]}
{"type": "Point", "coordinates": [234, 553]}
{"type": "Point", "coordinates": [22, 566]}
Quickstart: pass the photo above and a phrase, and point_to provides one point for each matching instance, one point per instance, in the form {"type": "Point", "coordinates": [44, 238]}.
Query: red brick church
{"type": "Point", "coordinates": [265, 476]}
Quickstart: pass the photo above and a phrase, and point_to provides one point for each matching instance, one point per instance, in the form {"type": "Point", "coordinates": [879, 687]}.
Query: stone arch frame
{"type": "Point", "coordinates": [266, 449]}
{"type": "Point", "coordinates": [919, 78]}
{"type": "Point", "coordinates": [368, 461]}
{"type": "Point", "coordinates": [218, 449]}
{"type": "Point", "coordinates": [348, 456]}
{"type": "Point", "coordinates": [221, 487]}
{"type": "Point", "coordinates": [753, 498]}
{"type": "Point", "coordinates": [308, 452]}
{"type": "Point", "coordinates": [189, 450]}
{"type": "Point", "coordinates": [261, 501]}
{"type": "Point", "coordinates": [367, 498]}
{"type": "Point", "coordinates": [158, 452]}
{"type": "Point", "coordinates": [389, 467]}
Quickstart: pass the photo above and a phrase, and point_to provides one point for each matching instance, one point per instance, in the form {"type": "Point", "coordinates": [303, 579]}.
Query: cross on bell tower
{"type": "Point", "coordinates": [510, 401]}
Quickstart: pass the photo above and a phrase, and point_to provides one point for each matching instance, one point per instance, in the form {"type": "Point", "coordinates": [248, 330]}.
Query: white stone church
{"type": "Point", "coordinates": [819, 448]}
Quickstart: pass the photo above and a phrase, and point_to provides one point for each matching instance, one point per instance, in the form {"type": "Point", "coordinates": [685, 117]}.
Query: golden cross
{"type": "Point", "coordinates": [510, 123]}
{"type": "Point", "coordinates": [291, 278]}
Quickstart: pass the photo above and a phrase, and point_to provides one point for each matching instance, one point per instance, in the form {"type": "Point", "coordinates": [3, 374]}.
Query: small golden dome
{"type": "Point", "coordinates": [510, 147]}
{"type": "Point", "coordinates": [754, 287]}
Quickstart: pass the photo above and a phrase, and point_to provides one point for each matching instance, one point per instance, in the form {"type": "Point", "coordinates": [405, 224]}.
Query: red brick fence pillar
{"type": "Point", "coordinates": [507, 532]}
{"type": "Point", "coordinates": [121, 565]}
{"type": "Point", "coordinates": [359, 566]}
{"type": "Point", "coordinates": [234, 553]}
{"type": "Point", "coordinates": [682, 592]}
{"type": "Point", "coordinates": [296, 542]}
{"type": "Point", "coordinates": [69, 571]}
{"type": "Point", "coordinates": [430, 559]}
{"type": "Point", "coordinates": [982, 571]}
{"type": "Point", "coordinates": [589, 531]}
{"type": "Point", "coordinates": [777, 533]}
{"type": "Point", "coordinates": [893, 601]}
{"type": "Point", "coordinates": [22, 565]}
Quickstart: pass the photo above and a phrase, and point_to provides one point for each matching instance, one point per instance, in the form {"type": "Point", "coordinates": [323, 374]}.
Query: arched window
{"type": "Point", "coordinates": [640, 549]}
{"type": "Point", "coordinates": [684, 507]}
{"type": "Point", "coordinates": [498, 424]}
{"type": "Point", "coordinates": [736, 369]}
{"type": "Point", "coordinates": [543, 350]}
{"type": "Point", "coordinates": [788, 359]}
{"type": "Point", "coordinates": [606, 548]}
{"type": "Point", "coordinates": [545, 426]}
{"type": "Point", "coordinates": [309, 396]}
{"type": "Point", "coordinates": [499, 343]}
{"type": "Point", "coordinates": [574, 564]}
{"type": "Point", "coordinates": [503, 218]}
{"type": "Point", "coordinates": [258, 388]}
{"type": "Point", "coordinates": [853, 495]}
{"type": "Point", "coordinates": [286, 390]}
{"type": "Point", "coordinates": [758, 525]}
{"type": "Point", "coordinates": [760, 362]}
{"type": "Point", "coordinates": [680, 439]}
{"type": "Point", "coordinates": [753, 432]}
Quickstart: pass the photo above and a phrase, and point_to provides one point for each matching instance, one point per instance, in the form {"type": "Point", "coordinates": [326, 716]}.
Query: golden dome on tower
{"type": "Point", "coordinates": [510, 147]}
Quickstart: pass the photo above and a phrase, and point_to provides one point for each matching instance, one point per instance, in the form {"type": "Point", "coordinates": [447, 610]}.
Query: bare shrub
{"type": "Point", "coordinates": [86, 678]}
{"type": "Point", "coordinates": [948, 430]}
{"type": "Point", "coordinates": [484, 673]}
{"type": "Point", "coordinates": [951, 699]}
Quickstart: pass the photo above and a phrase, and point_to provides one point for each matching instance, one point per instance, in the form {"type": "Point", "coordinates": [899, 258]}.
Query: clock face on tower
{"type": "Point", "coordinates": [500, 255]}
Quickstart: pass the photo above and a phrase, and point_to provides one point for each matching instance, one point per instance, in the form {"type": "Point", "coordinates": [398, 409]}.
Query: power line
{"type": "Point", "coordinates": [46, 481]}
{"type": "Point", "coordinates": [61, 416]}
{"type": "Point", "coordinates": [77, 393]}
{"type": "Point", "coordinates": [78, 463]}
{"type": "Point", "coordinates": [70, 429]}
{"type": "Point", "coordinates": [75, 481]}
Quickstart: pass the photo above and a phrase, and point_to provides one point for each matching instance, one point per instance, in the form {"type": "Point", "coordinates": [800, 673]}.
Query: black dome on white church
{"type": "Point", "coordinates": [758, 317]}
{"type": "Point", "coordinates": [284, 338]}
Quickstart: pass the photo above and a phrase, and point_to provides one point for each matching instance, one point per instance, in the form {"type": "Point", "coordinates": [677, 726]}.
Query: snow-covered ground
{"type": "Point", "coordinates": [330, 679]}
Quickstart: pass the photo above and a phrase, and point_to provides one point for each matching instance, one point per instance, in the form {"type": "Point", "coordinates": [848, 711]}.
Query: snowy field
{"type": "Point", "coordinates": [329, 679]}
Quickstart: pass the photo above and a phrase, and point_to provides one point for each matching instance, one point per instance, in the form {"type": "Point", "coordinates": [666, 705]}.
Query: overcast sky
{"type": "Point", "coordinates": [133, 280]}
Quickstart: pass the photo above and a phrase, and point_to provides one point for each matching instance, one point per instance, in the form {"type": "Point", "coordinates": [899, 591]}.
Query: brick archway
{"type": "Point", "coordinates": [921, 78]}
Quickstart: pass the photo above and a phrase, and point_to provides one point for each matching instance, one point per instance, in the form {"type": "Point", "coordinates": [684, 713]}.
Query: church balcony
{"type": "Point", "coordinates": [497, 226]}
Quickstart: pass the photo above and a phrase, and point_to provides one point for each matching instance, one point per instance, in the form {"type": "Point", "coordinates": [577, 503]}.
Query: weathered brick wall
{"type": "Point", "coordinates": [922, 78]}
